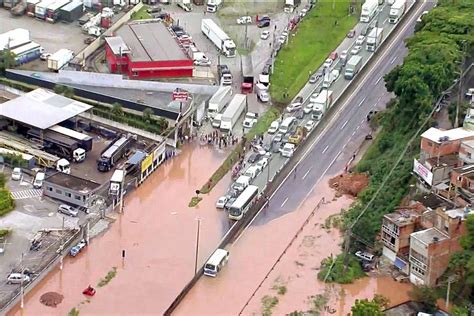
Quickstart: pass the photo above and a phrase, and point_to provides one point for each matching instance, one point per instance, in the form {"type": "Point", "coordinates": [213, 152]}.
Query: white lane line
{"type": "Point", "coordinates": [284, 202]}
{"type": "Point", "coordinates": [378, 99]}
{"type": "Point", "coordinates": [362, 101]}
{"type": "Point", "coordinates": [385, 21]}
{"type": "Point", "coordinates": [393, 60]}
{"type": "Point", "coordinates": [307, 173]}
{"type": "Point", "coordinates": [378, 80]}
{"type": "Point", "coordinates": [353, 133]}
{"type": "Point", "coordinates": [357, 127]}
{"type": "Point", "coordinates": [325, 149]}
{"type": "Point", "coordinates": [344, 125]}
{"type": "Point", "coordinates": [362, 122]}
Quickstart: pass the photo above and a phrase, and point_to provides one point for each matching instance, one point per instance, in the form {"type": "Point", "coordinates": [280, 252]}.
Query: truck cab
{"type": "Point", "coordinates": [63, 166]}
{"type": "Point", "coordinates": [79, 155]}
{"type": "Point", "coordinates": [225, 75]}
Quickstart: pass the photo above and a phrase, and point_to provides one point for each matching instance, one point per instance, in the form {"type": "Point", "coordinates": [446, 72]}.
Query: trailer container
{"type": "Point", "coordinates": [113, 153]}
{"type": "Point", "coordinates": [14, 38]}
{"type": "Point", "coordinates": [218, 101]}
{"type": "Point", "coordinates": [369, 9]}
{"type": "Point", "coordinates": [374, 39]}
{"type": "Point", "coordinates": [54, 143]}
{"type": "Point", "coordinates": [40, 9]}
{"type": "Point", "coordinates": [60, 59]}
{"type": "Point", "coordinates": [218, 37]}
{"type": "Point", "coordinates": [72, 11]}
{"type": "Point", "coordinates": [233, 112]}
{"type": "Point", "coordinates": [30, 7]}
{"type": "Point", "coordinates": [26, 53]}
{"type": "Point", "coordinates": [85, 141]}
{"type": "Point", "coordinates": [52, 11]}
{"type": "Point", "coordinates": [397, 10]}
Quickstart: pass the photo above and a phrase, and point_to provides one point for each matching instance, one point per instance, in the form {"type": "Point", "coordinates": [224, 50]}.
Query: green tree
{"type": "Point", "coordinates": [366, 308]}
{"type": "Point", "coordinates": [147, 113]}
{"type": "Point", "coordinates": [117, 109]}
{"type": "Point", "coordinates": [68, 92]}
{"type": "Point", "coordinates": [7, 60]}
{"type": "Point", "coordinates": [426, 296]}
{"type": "Point", "coordinates": [59, 89]}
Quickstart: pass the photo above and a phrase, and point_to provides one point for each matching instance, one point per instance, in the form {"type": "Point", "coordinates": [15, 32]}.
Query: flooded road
{"type": "Point", "coordinates": [157, 232]}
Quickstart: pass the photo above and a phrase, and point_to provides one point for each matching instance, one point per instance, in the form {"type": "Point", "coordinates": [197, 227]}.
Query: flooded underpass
{"type": "Point", "coordinates": [158, 234]}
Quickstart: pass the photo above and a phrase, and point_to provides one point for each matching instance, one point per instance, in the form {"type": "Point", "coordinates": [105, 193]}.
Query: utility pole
{"type": "Point", "coordinates": [22, 291]}
{"type": "Point", "coordinates": [460, 84]}
{"type": "Point", "coordinates": [197, 244]}
{"type": "Point", "coordinates": [246, 34]}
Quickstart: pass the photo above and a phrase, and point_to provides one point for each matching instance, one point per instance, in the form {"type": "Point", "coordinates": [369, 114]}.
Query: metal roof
{"type": "Point", "coordinates": [42, 109]}
{"type": "Point", "coordinates": [117, 45]}
{"type": "Point", "coordinates": [72, 5]}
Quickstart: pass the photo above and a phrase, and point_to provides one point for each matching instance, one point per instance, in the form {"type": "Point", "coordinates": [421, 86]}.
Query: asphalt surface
{"type": "Point", "coordinates": [347, 126]}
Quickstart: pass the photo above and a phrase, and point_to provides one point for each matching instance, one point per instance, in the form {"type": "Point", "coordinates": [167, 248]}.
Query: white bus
{"type": "Point", "coordinates": [215, 263]}
{"type": "Point", "coordinates": [243, 202]}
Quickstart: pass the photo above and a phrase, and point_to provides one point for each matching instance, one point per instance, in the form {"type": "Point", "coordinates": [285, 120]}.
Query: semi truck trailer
{"type": "Point", "coordinates": [40, 8]}
{"type": "Point", "coordinates": [396, 11]}
{"type": "Point", "coordinates": [233, 112]}
{"type": "Point", "coordinates": [60, 59]}
{"type": "Point", "coordinates": [218, 37]}
{"type": "Point", "coordinates": [219, 101]}
{"type": "Point", "coordinates": [52, 11]}
{"type": "Point", "coordinates": [113, 153]}
{"type": "Point", "coordinates": [369, 9]}
{"type": "Point", "coordinates": [374, 39]}
{"type": "Point", "coordinates": [30, 7]}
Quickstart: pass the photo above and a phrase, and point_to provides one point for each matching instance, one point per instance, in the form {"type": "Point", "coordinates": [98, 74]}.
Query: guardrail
{"type": "Point", "coordinates": [287, 168]}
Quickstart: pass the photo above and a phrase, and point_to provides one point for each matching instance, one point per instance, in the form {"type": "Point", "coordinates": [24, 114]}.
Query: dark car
{"type": "Point", "coordinates": [370, 115]}
{"type": "Point", "coordinates": [265, 23]}
{"type": "Point", "coordinates": [266, 69]}
{"type": "Point", "coordinates": [351, 34]}
{"type": "Point", "coordinates": [254, 158]}
{"type": "Point", "coordinates": [314, 78]}
{"type": "Point", "coordinates": [229, 203]}
{"type": "Point", "coordinates": [89, 40]}
{"type": "Point", "coordinates": [153, 10]}
{"type": "Point", "coordinates": [263, 18]}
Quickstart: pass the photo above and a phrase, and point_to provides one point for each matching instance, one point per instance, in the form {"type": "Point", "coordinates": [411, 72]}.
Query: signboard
{"type": "Point", "coordinates": [423, 172]}
{"type": "Point", "coordinates": [179, 95]}
{"type": "Point", "coordinates": [158, 151]}
{"type": "Point", "coordinates": [147, 162]}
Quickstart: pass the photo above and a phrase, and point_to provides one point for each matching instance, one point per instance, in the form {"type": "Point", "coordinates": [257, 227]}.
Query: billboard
{"type": "Point", "coordinates": [147, 162]}
{"type": "Point", "coordinates": [423, 172]}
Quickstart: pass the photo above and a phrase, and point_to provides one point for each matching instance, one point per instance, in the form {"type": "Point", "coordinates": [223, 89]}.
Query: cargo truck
{"type": "Point", "coordinates": [19, 9]}
{"type": "Point", "coordinates": [52, 11]}
{"type": "Point", "coordinates": [56, 144]}
{"type": "Point", "coordinates": [369, 9]}
{"type": "Point", "coordinates": [262, 92]}
{"type": "Point", "coordinates": [26, 53]}
{"type": "Point", "coordinates": [290, 5]}
{"type": "Point", "coordinates": [225, 76]}
{"type": "Point", "coordinates": [247, 75]}
{"type": "Point", "coordinates": [185, 5]}
{"type": "Point", "coordinates": [353, 67]}
{"type": "Point", "coordinates": [218, 37]}
{"type": "Point", "coordinates": [113, 153]}
{"type": "Point", "coordinates": [213, 5]}
{"type": "Point", "coordinates": [397, 10]}
{"type": "Point", "coordinates": [30, 7]}
{"type": "Point", "coordinates": [116, 182]}
{"type": "Point", "coordinates": [40, 9]}
{"type": "Point", "coordinates": [219, 101]}
{"type": "Point", "coordinates": [60, 59]}
{"type": "Point", "coordinates": [233, 112]}
{"type": "Point", "coordinates": [324, 100]}
{"type": "Point", "coordinates": [72, 11]}
{"type": "Point", "coordinates": [374, 39]}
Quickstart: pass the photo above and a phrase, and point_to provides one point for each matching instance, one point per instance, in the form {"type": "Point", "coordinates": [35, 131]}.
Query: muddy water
{"type": "Point", "coordinates": [158, 233]}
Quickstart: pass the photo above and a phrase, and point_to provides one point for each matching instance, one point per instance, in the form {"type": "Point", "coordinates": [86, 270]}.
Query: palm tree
{"type": "Point", "coordinates": [147, 113]}
{"type": "Point", "coordinates": [117, 109]}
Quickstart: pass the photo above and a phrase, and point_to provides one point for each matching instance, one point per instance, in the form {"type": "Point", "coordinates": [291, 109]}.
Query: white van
{"type": "Point", "coordinates": [252, 172]}
{"type": "Point", "coordinates": [241, 183]}
{"type": "Point", "coordinates": [287, 124]}
{"type": "Point", "coordinates": [39, 178]}
{"type": "Point", "coordinates": [216, 262]}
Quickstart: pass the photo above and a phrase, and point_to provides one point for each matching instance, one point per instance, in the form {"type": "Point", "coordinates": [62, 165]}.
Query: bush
{"type": "Point", "coordinates": [7, 203]}
{"type": "Point", "coordinates": [333, 270]}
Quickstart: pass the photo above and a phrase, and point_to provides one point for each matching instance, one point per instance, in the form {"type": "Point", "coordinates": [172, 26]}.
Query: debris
{"type": "Point", "coordinates": [350, 184]}
{"type": "Point", "coordinates": [51, 299]}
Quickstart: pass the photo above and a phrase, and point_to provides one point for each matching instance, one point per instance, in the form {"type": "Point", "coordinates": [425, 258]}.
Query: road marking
{"type": "Point", "coordinates": [284, 202]}
{"type": "Point", "coordinates": [362, 101]}
{"type": "Point", "coordinates": [26, 194]}
{"type": "Point", "coordinates": [344, 125]}
{"type": "Point", "coordinates": [325, 149]}
{"type": "Point", "coordinates": [378, 80]}
{"type": "Point", "coordinates": [362, 122]}
{"type": "Point", "coordinates": [378, 99]}
{"type": "Point", "coordinates": [307, 173]}
{"type": "Point", "coordinates": [385, 21]}
{"type": "Point", "coordinates": [353, 133]}
{"type": "Point", "coordinates": [393, 60]}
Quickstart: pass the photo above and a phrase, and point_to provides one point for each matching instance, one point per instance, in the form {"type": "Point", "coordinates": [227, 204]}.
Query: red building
{"type": "Point", "coordinates": [147, 51]}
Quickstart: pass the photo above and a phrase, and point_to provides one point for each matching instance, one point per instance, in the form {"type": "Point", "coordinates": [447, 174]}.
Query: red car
{"type": "Point", "coordinates": [333, 55]}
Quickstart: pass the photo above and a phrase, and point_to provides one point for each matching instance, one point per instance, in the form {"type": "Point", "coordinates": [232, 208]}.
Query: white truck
{"type": "Point", "coordinates": [374, 39]}
{"type": "Point", "coordinates": [59, 59]}
{"type": "Point", "coordinates": [369, 9]}
{"type": "Point", "coordinates": [213, 5]}
{"type": "Point", "coordinates": [290, 5]}
{"type": "Point", "coordinates": [323, 100]}
{"type": "Point", "coordinates": [217, 36]}
{"type": "Point", "coordinates": [232, 113]}
{"type": "Point", "coordinates": [396, 11]}
{"type": "Point", "coordinates": [219, 101]}
{"type": "Point", "coordinates": [262, 92]}
{"type": "Point", "coordinates": [40, 8]}
{"type": "Point", "coordinates": [116, 181]}
{"type": "Point", "coordinates": [185, 5]}
{"type": "Point", "coordinates": [353, 67]}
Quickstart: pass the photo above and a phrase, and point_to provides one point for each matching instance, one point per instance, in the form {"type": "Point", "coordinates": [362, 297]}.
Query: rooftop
{"type": "Point", "coordinates": [117, 45]}
{"type": "Point", "coordinates": [443, 161]}
{"type": "Point", "coordinates": [465, 171]}
{"type": "Point", "coordinates": [42, 108]}
{"type": "Point", "coordinates": [150, 41]}
{"type": "Point", "coordinates": [403, 217]}
{"type": "Point", "coordinates": [72, 182]}
{"type": "Point", "coordinates": [460, 212]}
{"type": "Point", "coordinates": [438, 135]}
{"type": "Point", "coordinates": [429, 236]}
{"type": "Point", "coordinates": [431, 201]}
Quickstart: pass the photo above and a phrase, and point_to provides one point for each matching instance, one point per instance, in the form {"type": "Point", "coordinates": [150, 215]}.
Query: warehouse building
{"type": "Point", "coordinates": [147, 50]}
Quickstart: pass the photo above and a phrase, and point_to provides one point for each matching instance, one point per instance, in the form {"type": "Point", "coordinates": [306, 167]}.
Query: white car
{"type": "Point", "coordinates": [282, 39]}
{"type": "Point", "coordinates": [265, 35]}
{"type": "Point", "coordinates": [274, 127]}
{"type": "Point", "coordinates": [360, 40]}
{"type": "Point", "coordinates": [309, 125]}
{"type": "Point", "coordinates": [313, 97]}
{"type": "Point", "coordinates": [16, 174]}
{"type": "Point", "coordinates": [244, 20]}
{"type": "Point", "coordinates": [343, 56]}
{"type": "Point", "coordinates": [288, 150]}
{"type": "Point", "coordinates": [221, 202]}
{"type": "Point", "coordinates": [327, 63]}
{"type": "Point", "coordinates": [202, 62]}
{"type": "Point", "coordinates": [262, 163]}
{"type": "Point", "coordinates": [308, 108]}
{"type": "Point", "coordinates": [250, 119]}
{"type": "Point", "coordinates": [45, 56]}
{"type": "Point", "coordinates": [293, 107]}
{"type": "Point", "coordinates": [303, 12]}
{"type": "Point", "coordinates": [356, 49]}
{"type": "Point", "coordinates": [67, 210]}
{"type": "Point", "coordinates": [17, 278]}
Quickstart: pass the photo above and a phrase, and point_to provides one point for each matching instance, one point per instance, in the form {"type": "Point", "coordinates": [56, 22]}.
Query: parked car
{"type": "Point", "coordinates": [356, 50]}
{"type": "Point", "coordinates": [77, 248]}
{"type": "Point", "coordinates": [221, 202]}
{"type": "Point", "coordinates": [351, 34]}
{"type": "Point", "coordinates": [309, 125]}
{"type": "Point", "coordinates": [265, 23]}
{"type": "Point", "coordinates": [254, 157]}
{"type": "Point", "coordinates": [360, 40]}
{"type": "Point", "coordinates": [365, 256]}
{"type": "Point", "coordinates": [282, 39]}
{"type": "Point", "coordinates": [45, 56]}
{"type": "Point", "coordinates": [314, 78]}
{"type": "Point", "coordinates": [274, 127]}
{"type": "Point", "coordinates": [265, 35]}
{"type": "Point", "coordinates": [303, 12]}
{"type": "Point", "coordinates": [67, 210]}
{"type": "Point", "coordinates": [89, 40]}
{"type": "Point", "coordinates": [263, 18]}
{"type": "Point", "coordinates": [16, 174]}
{"type": "Point", "coordinates": [17, 278]}
{"type": "Point", "coordinates": [327, 63]}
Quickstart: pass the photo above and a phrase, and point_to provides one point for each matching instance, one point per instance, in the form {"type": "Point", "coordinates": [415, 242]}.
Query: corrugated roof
{"type": "Point", "coordinates": [117, 45]}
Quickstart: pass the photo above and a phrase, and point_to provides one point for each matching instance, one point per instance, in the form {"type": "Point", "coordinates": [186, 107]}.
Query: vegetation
{"type": "Point", "coordinates": [4, 232]}
{"type": "Point", "coordinates": [365, 307]}
{"type": "Point", "coordinates": [73, 312]}
{"type": "Point", "coordinates": [64, 90]}
{"type": "Point", "coordinates": [110, 275]}
{"type": "Point", "coordinates": [332, 270]}
{"type": "Point", "coordinates": [7, 204]}
{"type": "Point", "coordinates": [141, 14]}
{"type": "Point", "coordinates": [7, 60]}
{"type": "Point", "coordinates": [425, 296]}
{"type": "Point", "coordinates": [268, 303]}
{"type": "Point", "coordinates": [318, 34]}
{"type": "Point", "coordinates": [429, 69]}
{"type": "Point", "coordinates": [194, 201]}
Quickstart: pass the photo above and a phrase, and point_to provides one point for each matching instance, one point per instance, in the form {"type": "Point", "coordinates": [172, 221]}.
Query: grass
{"type": "Point", "coordinates": [73, 312]}
{"type": "Point", "coordinates": [194, 201]}
{"type": "Point", "coordinates": [141, 14]}
{"type": "Point", "coordinates": [318, 302]}
{"type": "Point", "coordinates": [110, 275]}
{"type": "Point", "coordinates": [268, 303]}
{"type": "Point", "coordinates": [316, 36]}
{"type": "Point", "coordinates": [4, 232]}
{"type": "Point", "coordinates": [336, 268]}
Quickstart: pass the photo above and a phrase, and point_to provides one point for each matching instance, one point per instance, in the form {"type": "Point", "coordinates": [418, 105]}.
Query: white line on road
{"type": "Point", "coordinates": [378, 99]}
{"type": "Point", "coordinates": [344, 125]}
{"type": "Point", "coordinates": [362, 122]}
{"type": "Point", "coordinates": [362, 101]}
{"type": "Point", "coordinates": [378, 80]}
{"type": "Point", "coordinates": [393, 60]}
{"type": "Point", "coordinates": [353, 133]}
{"type": "Point", "coordinates": [325, 149]}
{"type": "Point", "coordinates": [284, 202]}
{"type": "Point", "coordinates": [385, 21]}
{"type": "Point", "coordinates": [307, 173]}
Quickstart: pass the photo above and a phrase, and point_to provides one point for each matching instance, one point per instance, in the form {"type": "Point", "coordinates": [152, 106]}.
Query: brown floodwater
{"type": "Point", "coordinates": [157, 232]}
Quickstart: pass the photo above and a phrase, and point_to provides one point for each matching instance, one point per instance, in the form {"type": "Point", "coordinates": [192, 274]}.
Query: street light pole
{"type": "Point", "coordinates": [197, 244]}
{"type": "Point", "coordinates": [22, 292]}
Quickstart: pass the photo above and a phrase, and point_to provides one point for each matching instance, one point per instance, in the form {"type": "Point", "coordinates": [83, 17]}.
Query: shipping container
{"type": "Point", "coordinates": [60, 59]}
{"type": "Point", "coordinates": [27, 53]}
{"type": "Point", "coordinates": [40, 9]}
{"type": "Point", "coordinates": [30, 7]}
{"type": "Point", "coordinates": [52, 11]}
{"type": "Point", "coordinates": [72, 11]}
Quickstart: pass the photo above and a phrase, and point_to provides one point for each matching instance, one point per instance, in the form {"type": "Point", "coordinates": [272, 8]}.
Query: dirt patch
{"type": "Point", "coordinates": [349, 183]}
{"type": "Point", "coordinates": [51, 299]}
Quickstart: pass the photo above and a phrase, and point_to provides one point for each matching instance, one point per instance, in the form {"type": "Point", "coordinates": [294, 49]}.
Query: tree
{"type": "Point", "coordinates": [7, 60]}
{"type": "Point", "coordinates": [147, 113]}
{"type": "Point", "coordinates": [117, 109]}
{"type": "Point", "coordinates": [426, 296]}
{"type": "Point", "coordinates": [68, 92]}
{"type": "Point", "coordinates": [366, 308]}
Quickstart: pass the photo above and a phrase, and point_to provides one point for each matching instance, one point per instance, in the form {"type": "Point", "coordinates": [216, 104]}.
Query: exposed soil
{"type": "Point", "coordinates": [51, 299]}
{"type": "Point", "coordinates": [349, 183]}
